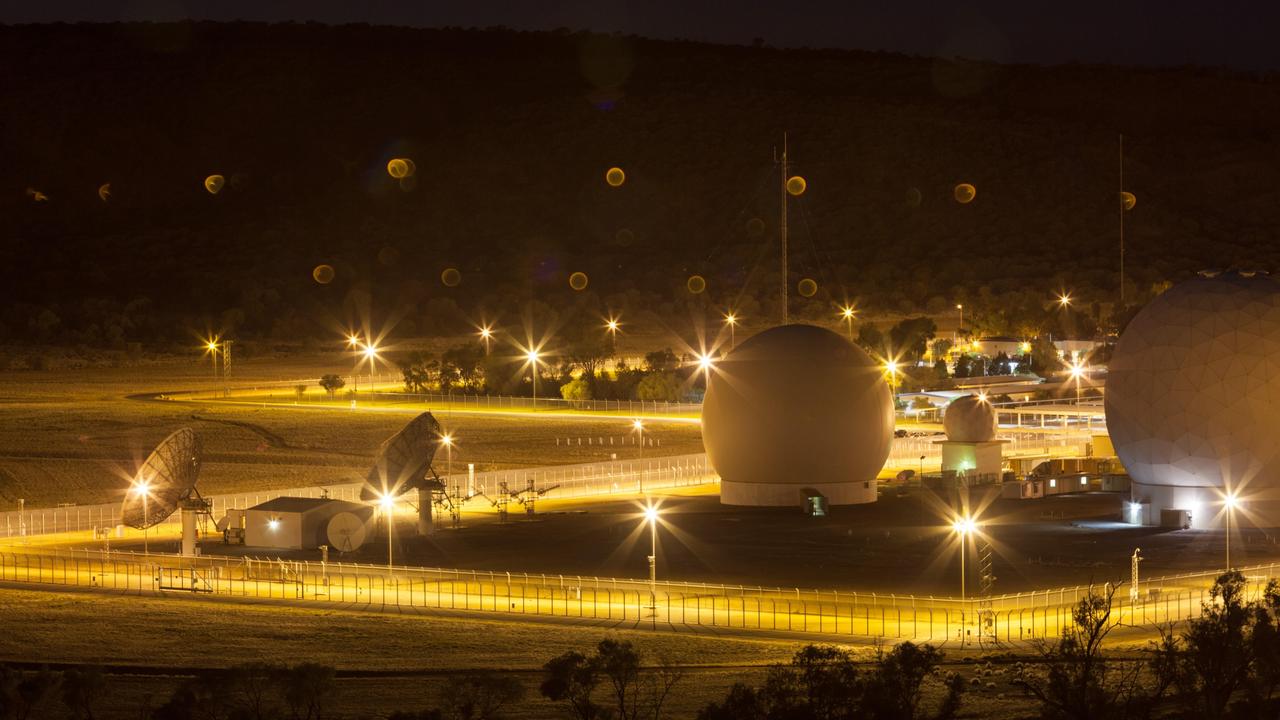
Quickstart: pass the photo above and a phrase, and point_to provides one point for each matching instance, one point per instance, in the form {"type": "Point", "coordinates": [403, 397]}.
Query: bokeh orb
{"type": "Point", "coordinates": [578, 281]}
{"type": "Point", "coordinates": [451, 277]}
{"type": "Point", "coordinates": [696, 284]}
{"type": "Point", "coordinates": [965, 193]}
{"type": "Point", "coordinates": [793, 412]}
{"type": "Point", "coordinates": [389, 255]}
{"type": "Point", "coordinates": [615, 177]}
{"type": "Point", "coordinates": [214, 184]}
{"type": "Point", "coordinates": [1193, 398]}
{"type": "Point", "coordinates": [104, 192]}
{"type": "Point", "coordinates": [755, 227]}
{"type": "Point", "coordinates": [400, 168]}
{"type": "Point", "coordinates": [1128, 200]}
{"type": "Point", "coordinates": [970, 419]}
{"type": "Point", "coordinates": [807, 287]}
{"type": "Point", "coordinates": [323, 274]}
{"type": "Point", "coordinates": [796, 185]}
{"type": "Point", "coordinates": [624, 237]}
{"type": "Point", "coordinates": [914, 197]}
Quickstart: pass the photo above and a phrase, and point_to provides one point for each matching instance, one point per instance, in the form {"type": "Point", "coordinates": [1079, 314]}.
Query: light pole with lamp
{"type": "Point", "coordinates": [371, 354]}
{"type": "Point", "coordinates": [143, 488]}
{"type": "Point", "coordinates": [532, 357]}
{"type": "Point", "coordinates": [388, 503]}
{"type": "Point", "coordinates": [1231, 502]}
{"type": "Point", "coordinates": [211, 347]}
{"type": "Point", "coordinates": [964, 526]}
{"type": "Point", "coordinates": [611, 326]}
{"type": "Point", "coordinates": [731, 320]}
{"type": "Point", "coordinates": [486, 336]}
{"type": "Point", "coordinates": [847, 312]}
{"type": "Point", "coordinates": [651, 514]}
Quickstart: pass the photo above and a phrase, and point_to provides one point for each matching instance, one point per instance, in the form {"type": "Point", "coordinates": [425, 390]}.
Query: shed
{"type": "Point", "coordinates": [295, 523]}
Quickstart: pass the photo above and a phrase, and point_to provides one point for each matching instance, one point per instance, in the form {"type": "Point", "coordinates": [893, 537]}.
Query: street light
{"type": "Point", "coordinates": [891, 367]}
{"type": "Point", "coordinates": [143, 488]}
{"type": "Point", "coordinates": [731, 320]}
{"type": "Point", "coordinates": [1231, 501]}
{"type": "Point", "coordinates": [964, 526]}
{"type": "Point", "coordinates": [370, 353]}
{"type": "Point", "coordinates": [639, 428]}
{"type": "Point", "coordinates": [961, 309]}
{"type": "Point", "coordinates": [651, 515]}
{"type": "Point", "coordinates": [705, 363]}
{"type": "Point", "coordinates": [1077, 371]}
{"type": "Point", "coordinates": [447, 441]}
{"type": "Point", "coordinates": [486, 336]}
{"type": "Point", "coordinates": [1064, 300]}
{"type": "Point", "coordinates": [388, 503]}
{"type": "Point", "coordinates": [211, 348]}
{"type": "Point", "coordinates": [532, 358]}
{"type": "Point", "coordinates": [847, 312]}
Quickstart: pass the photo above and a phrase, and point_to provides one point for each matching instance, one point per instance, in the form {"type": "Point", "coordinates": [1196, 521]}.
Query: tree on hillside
{"type": "Point", "coordinates": [872, 340]}
{"type": "Point", "coordinates": [911, 336]}
{"type": "Point", "coordinates": [332, 383]}
{"type": "Point", "coordinates": [660, 386]}
{"type": "Point", "coordinates": [1078, 682]}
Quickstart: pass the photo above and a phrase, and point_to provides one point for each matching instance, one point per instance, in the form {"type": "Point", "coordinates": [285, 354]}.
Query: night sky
{"type": "Point", "coordinates": [1238, 35]}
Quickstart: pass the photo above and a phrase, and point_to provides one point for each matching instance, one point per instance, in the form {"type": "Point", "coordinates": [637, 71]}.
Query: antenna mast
{"type": "Point", "coordinates": [1121, 199]}
{"type": "Point", "coordinates": [786, 315]}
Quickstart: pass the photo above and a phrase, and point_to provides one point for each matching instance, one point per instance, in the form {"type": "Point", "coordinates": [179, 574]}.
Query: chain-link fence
{"type": "Point", "coordinates": [995, 621]}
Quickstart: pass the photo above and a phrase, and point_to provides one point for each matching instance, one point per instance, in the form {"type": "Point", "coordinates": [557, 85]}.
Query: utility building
{"type": "Point", "coordinates": [296, 523]}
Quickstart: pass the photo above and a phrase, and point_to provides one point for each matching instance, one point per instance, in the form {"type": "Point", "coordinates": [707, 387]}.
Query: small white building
{"type": "Point", "coordinates": [295, 523]}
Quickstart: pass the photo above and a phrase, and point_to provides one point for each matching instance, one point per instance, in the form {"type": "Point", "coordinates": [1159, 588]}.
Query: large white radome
{"type": "Point", "coordinates": [797, 408]}
{"type": "Point", "coordinates": [1193, 397]}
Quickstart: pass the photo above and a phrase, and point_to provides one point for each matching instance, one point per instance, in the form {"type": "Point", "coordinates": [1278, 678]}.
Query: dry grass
{"type": "Point", "coordinates": [410, 656]}
{"type": "Point", "coordinates": [69, 436]}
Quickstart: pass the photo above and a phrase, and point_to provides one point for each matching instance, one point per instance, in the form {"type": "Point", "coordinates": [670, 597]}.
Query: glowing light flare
{"type": "Point", "coordinates": [1127, 200]}
{"type": "Point", "coordinates": [387, 501]}
{"type": "Point", "coordinates": [401, 168]}
{"type": "Point", "coordinates": [1231, 501]}
{"type": "Point", "coordinates": [651, 513]}
{"type": "Point", "coordinates": [637, 424]}
{"type": "Point", "coordinates": [486, 332]}
{"type": "Point", "coordinates": [730, 319]}
{"type": "Point", "coordinates": [611, 324]}
{"type": "Point", "coordinates": [451, 277]}
{"type": "Point", "coordinates": [808, 287]}
{"type": "Point", "coordinates": [796, 185]}
{"type": "Point", "coordinates": [273, 523]}
{"type": "Point", "coordinates": [964, 193]}
{"type": "Point", "coordinates": [847, 312]}
{"type": "Point", "coordinates": [370, 352]}
{"type": "Point", "coordinates": [964, 525]}
{"type": "Point", "coordinates": [578, 281]}
{"type": "Point", "coordinates": [1077, 369]}
{"type": "Point", "coordinates": [323, 274]}
{"type": "Point", "coordinates": [141, 488]}
{"type": "Point", "coordinates": [706, 362]}
{"type": "Point", "coordinates": [696, 284]}
{"type": "Point", "coordinates": [615, 177]}
{"type": "Point", "coordinates": [104, 192]}
{"type": "Point", "coordinates": [446, 440]}
{"type": "Point", "coordinates": [1064, 300]}
{"type": "Point", "coordinates": [1025, 347]}
{"type": "Point", "coordinates": [214, 184]}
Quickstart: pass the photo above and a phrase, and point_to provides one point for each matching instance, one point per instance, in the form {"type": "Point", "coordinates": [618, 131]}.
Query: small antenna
{"type": "Point", "coordinates": [786, 314]}
{"type": "Point", "coordinates": [1120, 198]}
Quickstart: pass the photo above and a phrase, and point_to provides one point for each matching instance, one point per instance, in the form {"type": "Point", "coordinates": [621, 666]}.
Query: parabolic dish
{"type": "Point", "coordinates": [346, 532]}
{"type": "Point", "coordinates": [403, 459]}
{"type": "Point", "coordinates": [169, 475]}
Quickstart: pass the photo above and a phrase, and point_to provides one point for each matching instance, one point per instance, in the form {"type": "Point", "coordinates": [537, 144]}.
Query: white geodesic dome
{"type": "Point", "coordinates": [1193, 395]}
{"type": "Point", "coordinates": [970, 419]}
{"type": "Point", "coordinates": [793, 411]}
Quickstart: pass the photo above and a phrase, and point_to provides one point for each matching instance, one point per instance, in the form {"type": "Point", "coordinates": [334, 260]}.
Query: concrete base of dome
{"type": "Point", "coordinates": [1204, 504]}
{"type": "Point", "coordinates": [794, 495]}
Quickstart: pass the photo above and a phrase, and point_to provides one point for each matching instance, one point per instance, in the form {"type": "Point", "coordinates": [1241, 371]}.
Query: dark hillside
{"type": "Point", "coordinates": [512, 133]}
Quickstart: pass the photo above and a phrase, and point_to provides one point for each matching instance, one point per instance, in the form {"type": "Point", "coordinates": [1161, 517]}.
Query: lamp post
{"type": "Point", "coordinates": [1231, 501]}
{"type": "Point", "coordinates": [143, 488]}
{"type": "Point", "coordinates": [447, 441]}
{"type": "Point", "coordinates": [960, 307]}
{"type": "Point", "coordinates": [891, 367]}
{"type": "Point", "coordinates": [731, 320]}
{"type": "Point", "coordinates": [964, 526]}
{"type": "Point", "coordinates": [371, 354]}
{"type": "Point", "coordinates": [847, 312]}
{"type": "Point", "coordinates": [705, 363]}
{"type": "Point", "coordinates": [211, 347]}
{"type": "Point", "coordinates": [388, 503]}
{"type": "Point", "coordinates": [532, 357]}
{"type": "Point", "coordinates": [611, 326]}
{"type": "Point", "coordinates": [1078, 370]}
{"type": "Point", "coordinates": [486, 336]}
{"type": "Point", "coordinates": [651, 514]}
{"type": "Point", "coordinates": [353, 342]}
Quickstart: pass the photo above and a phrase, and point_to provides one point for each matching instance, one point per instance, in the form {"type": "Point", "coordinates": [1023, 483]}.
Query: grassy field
{"type": "Point", "coordinates": [404, 658]}
{"type": "Point", "coordinates": [73, 436]}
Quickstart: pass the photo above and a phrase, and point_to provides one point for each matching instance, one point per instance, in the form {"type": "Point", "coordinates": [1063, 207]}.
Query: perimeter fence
{"type": "Point", "coordinates": [664, 605]}
{"type": "Point", "coordinates": [553, 482]}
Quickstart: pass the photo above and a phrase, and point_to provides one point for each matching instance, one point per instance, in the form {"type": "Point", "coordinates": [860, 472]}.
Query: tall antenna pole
{"type": "Point", "coordinates": [1121, 199]}
{"type": "Point", "coordinates": [786, 314]}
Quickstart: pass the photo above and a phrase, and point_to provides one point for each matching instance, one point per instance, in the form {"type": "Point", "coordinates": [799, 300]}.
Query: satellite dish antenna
{"type": "Point", "coordinates": [346, 531]}
{"type": "Point", "coordinates": [403, 463]}
{"type": "Point", "coordinates": [165, 483]}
